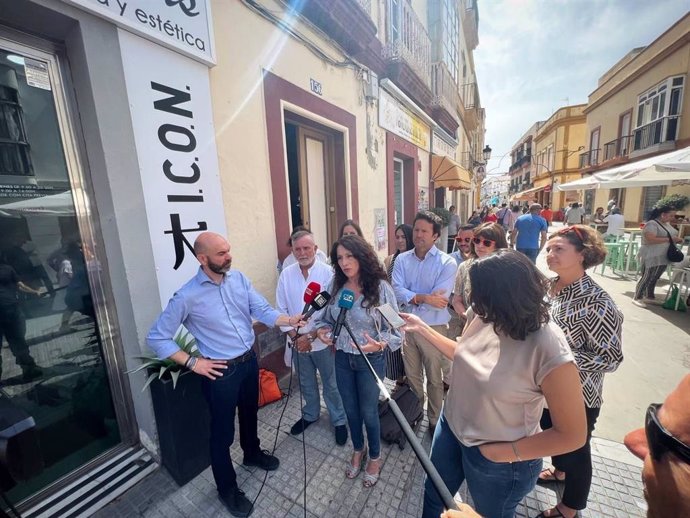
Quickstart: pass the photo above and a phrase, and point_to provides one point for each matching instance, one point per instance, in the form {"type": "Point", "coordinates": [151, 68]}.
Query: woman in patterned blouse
{"type": "Point", "coordinates": [592, 324]}
{"type": "Point", "coordinates": [358, 269]}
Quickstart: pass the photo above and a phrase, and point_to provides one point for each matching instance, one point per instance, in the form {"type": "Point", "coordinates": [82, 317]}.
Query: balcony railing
{"type": "Point", "coordinates": [520, 162]}
{"type": "Point", "coordinates": [661, 130]}
{"type": "Point", "coordinates": [617, 148]}
{"type": "Point", "coordinates": [589, 158]}
{"type": "Point", "coordinates": [410, 43]}
{"type": "Point", "coordinates": [469, 95]}
{"type": "Point", "coordinates": [444, 88]}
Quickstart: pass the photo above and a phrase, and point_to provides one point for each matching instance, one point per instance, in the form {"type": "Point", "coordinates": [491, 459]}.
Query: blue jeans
{"type": "Point", "coordinates": [496, 487]}
{"type": "Point", "coordinates": [237, 388]}
{"type": "Point", "coordinates": [360, 395]}
{"type": "Point", "coordinates": [532, 253]}
{"type": "Point", "coordinates": [307, 364]}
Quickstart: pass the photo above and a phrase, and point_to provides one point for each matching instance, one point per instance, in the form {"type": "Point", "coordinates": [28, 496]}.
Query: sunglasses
{"type": "Point", "coordinates": [485, 242]}
{"type": "Point", "coordinates": [660, 439]}
{"type": "Point", "coordinates": [568, 230]}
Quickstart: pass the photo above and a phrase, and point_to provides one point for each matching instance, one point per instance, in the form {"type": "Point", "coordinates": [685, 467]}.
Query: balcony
{"type": "Point", "coordinates": [656, 133]}
{"type": "Point", "coordinates": [523, 161]}
{"type": "Point", "coordinates": [471, 111]}
{"type": "Point", "coordinates": [589, 158]}
{"type": "Point", "coordinates": [446, 101]}
{"type": "Point", "coordinates": [407, 54]}
{"type": "Point", "coordinates": [619, 148]}
{"type": "Point", "coordinates": [347, 22]}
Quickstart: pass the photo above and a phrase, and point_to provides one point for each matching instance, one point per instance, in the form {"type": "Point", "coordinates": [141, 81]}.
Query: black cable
{"type": "Point", "coordinates": [275, 442]}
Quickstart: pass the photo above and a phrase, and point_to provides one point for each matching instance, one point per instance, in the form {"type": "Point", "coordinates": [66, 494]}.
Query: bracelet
{"type": "Point", "coordinates": [515, 451]}
{"type": "Point", "coordinates": [189, 359]}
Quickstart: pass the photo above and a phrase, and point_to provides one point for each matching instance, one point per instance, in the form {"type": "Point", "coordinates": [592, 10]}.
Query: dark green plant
{"type": "Point", "coordinates": [673, 202]}
{"type": "Point", "coordinates": [159, 368]}
{"type": "Point", "coordinates": [442, 213]}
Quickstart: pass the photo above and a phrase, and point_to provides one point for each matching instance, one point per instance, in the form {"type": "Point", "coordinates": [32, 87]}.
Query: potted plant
{"type": "Point", "coordinates": [673, 201]}
{"type": "Point", "coordinates": [182, 417]}
{"type": "Point", "coordinates": [444, 214]}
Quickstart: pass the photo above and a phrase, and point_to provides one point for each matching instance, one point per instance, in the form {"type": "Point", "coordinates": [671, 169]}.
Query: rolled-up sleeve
{"type": "Point", "coordinates": [161, 335]}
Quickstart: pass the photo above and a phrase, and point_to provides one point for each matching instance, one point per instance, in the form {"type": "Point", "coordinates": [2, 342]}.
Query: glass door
{"type": "Point", "coordinates": [52, 360]}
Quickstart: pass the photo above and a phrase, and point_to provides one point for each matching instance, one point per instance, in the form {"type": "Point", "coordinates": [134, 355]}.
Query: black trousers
{"type": "Point", "coordinates": [577, 465]}
{"type": "Point", "coordinates": [237, 389]}
{"type": "Point", "coordinates": [13, 328]}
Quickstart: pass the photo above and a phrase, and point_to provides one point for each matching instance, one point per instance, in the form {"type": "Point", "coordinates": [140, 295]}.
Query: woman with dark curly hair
{"type": "Point", "coordinates": [357, 268]}
{"type": "Point", "coordinates": [488, 237]}
{"type": "Point", "coordinates": [593, 327]}
{"type": "Point", "coordinates": [508, 363]}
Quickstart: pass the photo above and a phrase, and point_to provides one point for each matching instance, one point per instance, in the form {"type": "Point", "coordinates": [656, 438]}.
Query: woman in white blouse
{"type": "Point", "coordinates": [508, 363]}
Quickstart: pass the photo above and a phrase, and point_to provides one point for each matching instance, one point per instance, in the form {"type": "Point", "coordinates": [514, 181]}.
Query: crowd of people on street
{"type": "Point", "coordinates": [509, 364]}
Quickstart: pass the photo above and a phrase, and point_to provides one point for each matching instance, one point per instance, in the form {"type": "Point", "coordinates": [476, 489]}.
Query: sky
{"type": "Point", "coordinates": [535, 56]}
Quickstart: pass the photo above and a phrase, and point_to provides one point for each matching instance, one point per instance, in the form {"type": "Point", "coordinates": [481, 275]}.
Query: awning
{"type": "Point", "coordinates": [667, 169]}
{"type": "Point", "coordinates": [446, 172]}
{"type": "Point", "coordinates": [528, 194]}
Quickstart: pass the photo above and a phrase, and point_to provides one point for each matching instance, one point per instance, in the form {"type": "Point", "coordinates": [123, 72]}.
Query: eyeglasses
{"type": "Point", "coordinates": [660, 439]}
{"type": "Point", "coordinates": [463, 239]}
{"type": "Point", "coordinates": [568, 230]}
{"type": "Point", "coordinates": [485, 242]}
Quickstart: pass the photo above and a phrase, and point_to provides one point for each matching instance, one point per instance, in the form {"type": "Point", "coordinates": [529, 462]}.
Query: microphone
{"type": "Point", "coordinates": [312, 290]}
{"type": "Point", "coordinates": [319, 302]}
{"type": "Point", "coordinates": [345, 303]}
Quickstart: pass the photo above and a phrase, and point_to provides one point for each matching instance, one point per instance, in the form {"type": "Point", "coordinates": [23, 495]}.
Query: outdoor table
{"type": "Point", "coordinates": [633, 231]}
{"type": "Point", "coordinates": [599, 227]}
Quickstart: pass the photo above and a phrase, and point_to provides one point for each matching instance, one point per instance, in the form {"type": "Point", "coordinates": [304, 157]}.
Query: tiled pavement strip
{"type": "Point", "coordinates": [616, 488]}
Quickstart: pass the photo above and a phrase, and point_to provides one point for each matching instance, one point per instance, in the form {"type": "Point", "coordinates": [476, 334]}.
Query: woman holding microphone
{"type": "Point", "coordinates": [509, 362]}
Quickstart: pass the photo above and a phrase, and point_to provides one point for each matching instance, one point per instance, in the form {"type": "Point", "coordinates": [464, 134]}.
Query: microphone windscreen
{"type": "Point", "coordinates": [313, 289]}
{"type": "Point", "coordinates": [347, 299]}
{"type": "Point", "coordinates": [320, 300]}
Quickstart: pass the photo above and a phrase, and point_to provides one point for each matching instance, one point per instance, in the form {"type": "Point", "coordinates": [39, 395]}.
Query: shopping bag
{"type": "Point", "coordinates": [671, 301]}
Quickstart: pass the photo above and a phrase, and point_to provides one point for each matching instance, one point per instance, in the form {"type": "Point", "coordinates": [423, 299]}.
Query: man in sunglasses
{"type": "Point", "coordinates": [664, 445]}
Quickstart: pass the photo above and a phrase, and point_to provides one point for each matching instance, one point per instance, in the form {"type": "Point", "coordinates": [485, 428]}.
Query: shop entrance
{"type": "Point", "coordinates": [54, 361]}
{"type": "Point", "coordinates": [311, 155]}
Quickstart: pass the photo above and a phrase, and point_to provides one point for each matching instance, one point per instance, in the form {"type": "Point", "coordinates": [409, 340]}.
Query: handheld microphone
{"type": "Point", "coordinates": [319, 302]}
{"type": "Point", "coordinates": [312, 290]}
{"type": "Point", "coordinates": [345, 303]}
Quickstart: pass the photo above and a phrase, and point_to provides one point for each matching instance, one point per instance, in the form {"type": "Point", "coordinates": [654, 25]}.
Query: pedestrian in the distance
{"type": "Point", "coordinates": [593, 327]}
{"type": "Point", "coordinates": [529, 233]}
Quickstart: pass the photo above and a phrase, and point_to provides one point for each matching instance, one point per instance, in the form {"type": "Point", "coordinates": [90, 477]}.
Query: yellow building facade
{"type": "Point", "coordinates": [639, 109]}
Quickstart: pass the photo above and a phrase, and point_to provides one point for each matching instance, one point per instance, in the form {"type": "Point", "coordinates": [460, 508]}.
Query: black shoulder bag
{"type": "Point", "coordinates": [672, 254]}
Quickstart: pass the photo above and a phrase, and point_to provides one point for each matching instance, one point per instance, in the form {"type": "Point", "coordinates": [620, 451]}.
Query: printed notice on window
{"type": "Point", "coordinates": [36, 74]}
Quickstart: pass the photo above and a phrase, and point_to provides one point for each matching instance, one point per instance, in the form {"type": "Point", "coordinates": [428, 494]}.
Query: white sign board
{"type": "Point", "coordinates": [170, 104]}
{"type": "Point", "coordinates": [399, 120]}
{"type": "Point", "coordinates": [182, 25]}
{"type": "Point", "coordinates": [440, 147]}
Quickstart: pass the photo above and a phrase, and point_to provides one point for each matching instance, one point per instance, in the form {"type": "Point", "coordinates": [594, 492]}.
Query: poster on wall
{"type": "Point", "coordinates": [422, 198]}
{"type": "Point", "coordinates": [170, 105]}
{"type": "Point", "coordinates": [380, 229]}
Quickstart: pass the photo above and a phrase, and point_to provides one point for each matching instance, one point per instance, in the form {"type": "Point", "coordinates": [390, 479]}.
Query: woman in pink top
{"type": "Point", "coordinates": [509, 362]}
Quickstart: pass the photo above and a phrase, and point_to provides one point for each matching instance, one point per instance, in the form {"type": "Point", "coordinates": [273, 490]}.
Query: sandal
{"type": "Point", "coordinates": [559, 515]}
{"type": "Point", "coordinates": [549, 475]}
{"type": "Point", "coordinates": [370, 479]}
{"type": "Point", "coordinates": [352, 471]}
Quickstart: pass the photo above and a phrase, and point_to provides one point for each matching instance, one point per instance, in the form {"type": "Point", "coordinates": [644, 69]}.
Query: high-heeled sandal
{"type": "Point", "coordinates": [559, 515]}
{"type": "Point", "coordinates": [352, 471]}
{"type": "Point", "coordinates": [370, 480]}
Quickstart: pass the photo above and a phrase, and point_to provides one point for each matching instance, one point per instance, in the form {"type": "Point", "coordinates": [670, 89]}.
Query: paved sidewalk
{"type": "Point", "coordinates": [616, 489]}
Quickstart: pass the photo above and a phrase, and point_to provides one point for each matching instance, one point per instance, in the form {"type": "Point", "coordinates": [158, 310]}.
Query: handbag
{"type": "Point", "coordinates": [672, 254]}
{"type": "Point", "coordinates": [269, 391]}
{"type": "Point", "coordinates": [673, 299]}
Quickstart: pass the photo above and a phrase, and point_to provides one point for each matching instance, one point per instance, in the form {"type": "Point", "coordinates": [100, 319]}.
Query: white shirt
{"type": "Point", "coordinates": [616, 223]}
{"type": "Point", "coordinates": [290, 293]}
{"type": "Point", "coordinates": [574, 216]}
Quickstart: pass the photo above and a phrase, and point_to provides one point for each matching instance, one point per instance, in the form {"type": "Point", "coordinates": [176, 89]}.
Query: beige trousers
{"type": "Point", "coordinates": [420, 358]}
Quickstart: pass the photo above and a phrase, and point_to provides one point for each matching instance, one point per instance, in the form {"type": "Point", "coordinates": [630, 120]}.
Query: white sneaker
{"type": "Point", "coordinates": [639, 303]}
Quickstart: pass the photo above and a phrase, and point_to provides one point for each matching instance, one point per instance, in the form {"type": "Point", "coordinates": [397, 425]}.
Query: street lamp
{"type": "Point", "coordinates": [486, 153]}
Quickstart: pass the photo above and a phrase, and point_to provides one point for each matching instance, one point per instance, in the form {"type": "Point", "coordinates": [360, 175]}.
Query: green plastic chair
{"type": "Point", "coordinates": [613, 255]}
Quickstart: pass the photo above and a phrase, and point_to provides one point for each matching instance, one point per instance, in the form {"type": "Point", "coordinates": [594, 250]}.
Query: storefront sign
{"type": "Point", "coordinates": [399, 120]}
{"type": "Point", "coordinates": [170, 104]}
{"type": "Point", "coordinates": [441, 147]}
{"type": "Point", "coordinates": [182, 25]}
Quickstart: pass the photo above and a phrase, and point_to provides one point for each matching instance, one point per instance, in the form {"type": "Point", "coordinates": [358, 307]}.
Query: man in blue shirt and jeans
{"type": "Point", "coordinates": [217, 307]}
{"type": "Point", "coordinates": [529, 234]}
